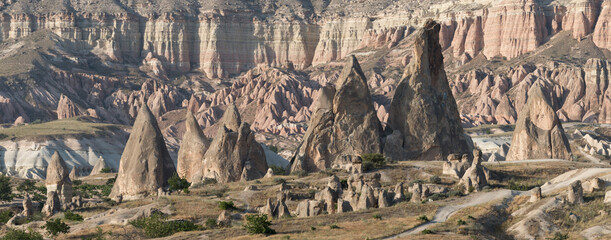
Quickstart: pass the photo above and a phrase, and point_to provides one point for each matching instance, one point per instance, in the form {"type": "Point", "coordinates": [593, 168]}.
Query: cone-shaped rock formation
{"type": "Point", "coordinates": [145, 165]}
{"type": "Point", "coordinates": [58, 179]}
{"type": "Point", "coordinates": [538, 133]}
{"type": "Point", "coordinates": [234, 154]}
{"type": "Point", "coordinates": [192, 150]}
{"type": "Point", "coordinates": [423, 120]}
{"type": "Point", "coordinates": [99, 165]}
{"type": "Point", "coordinates": [343, 126]}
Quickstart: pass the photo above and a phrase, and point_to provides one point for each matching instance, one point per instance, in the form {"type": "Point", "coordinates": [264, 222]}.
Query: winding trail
{"type": "Point", "coordinates": [445, 212]}
{"type": "Point", "coordinates": [558, 183]}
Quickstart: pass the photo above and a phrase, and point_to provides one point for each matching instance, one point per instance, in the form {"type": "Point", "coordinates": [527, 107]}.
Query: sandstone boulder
{"type": "Point", "coordinates": [145, 165]}
{"type": "Point", "coordinates": [477, 175]}
{"type": "Point", "coordinates": [423, 117]}
{"type": "Point", "coordinates": [234, 154]}
{"type": "Point", "coordinates": [538, 133]}
{"type": "Point", "coordinates": [535, 194]}
{"type": "Point", "coordinates": [192, 150]}
{"type": "Point", "coordinates": [28, 209]}
{"type": "Point", "coordinates": [307, 208]}
{"type": "Point", "coordinates": [575, 193]}
{"type": "Point", "coordinates": [343, 126]}
{"type": "Point", "coordinates": [608, 197]}
{"type": "Point", "coordinates": [456, 166]}
{"type": "Point", "coordinates": [52, 205]}
{"type": "Point", "coordinates": [58, 179]}
{"type": "Point", "coordinates": [398, 197]}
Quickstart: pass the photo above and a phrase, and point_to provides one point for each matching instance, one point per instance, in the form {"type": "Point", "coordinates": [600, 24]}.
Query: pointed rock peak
{"type": "Point", "coordinates": [352, 95]}
{"type": "Point", "coordinates": [191, 123]}
{"type": "Point", "coordinates": [145, 114]}
{"type": "Point", "coordinates": [57, 171]}
{"type": "Point", "coordinates": [231, 119]}
{"type": "Point", "coordinates": [427, 53]}
{"type": "Point", "coordinates": [325, 97]}
{"type": "Point", "coordinates": [351, 72]}
{"type": "Point", "coordinates": [99, 165]}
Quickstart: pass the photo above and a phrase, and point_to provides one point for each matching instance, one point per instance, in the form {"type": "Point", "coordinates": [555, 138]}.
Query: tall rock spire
{"type": "Point", "coordinates": [538, 133]}
{"type": "Point", "coordinates": [192, 150]}
{"type": "Point", "coordinates": [423, 117]}
{"type": "Point", "coordinates": [58, 179]}
{"type": "Point", "coordinates": [343, 126]}
{"type": "Point", "coordinates": [145, 165]}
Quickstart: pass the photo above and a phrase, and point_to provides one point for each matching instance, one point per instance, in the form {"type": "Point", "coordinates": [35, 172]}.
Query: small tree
{"type": "Point", "coordinates": [177, 183]}
{"type": "Point", "coordinates": [56, 226]}
{"type": "Point", "coordinates": [16, 234]}
{"type": "Point", "coordinates": [226, 205]}
{"type": "Point", "coordinates": [6, 192]}
{"type": "Point", "coordinates": [372, 161]}
{"type": "Point", "coordinates": [258, 224]}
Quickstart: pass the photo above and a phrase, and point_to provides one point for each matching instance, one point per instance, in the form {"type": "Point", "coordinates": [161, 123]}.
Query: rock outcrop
{"type": "Point", "coordinates": [456, 166]}
{"type": "Point", "coordinates": [476, 176]}
{"type": "Point", "coordinates": [538, 133]}
{"type": "Point", "coordinates": [52, 205]}
{"type": "Point", "coordinates": [602, 31]}
{"type": "Point", "coordinates": [192, 150]}
{"type": "Point", "coordinates": [575, 193]}
{"type": "Point", "coordinates": [99, 166]}
{"type": "Point", "coordinates": [66, 108]}
{"type": "Point", "coordinates": [145, 164]}
{"type": "Point", "coordinates": [28, 209]}
{"type": "Point", "coordinates": [535, 194]}
{"type": "Point", "coordinates": [58, 180]}
{"type": "Point", "coordinates": [234, 154]}
{"type": "Point", "coordinates": [423, 117]}
{"type": "Point", "coordinates": [343, 126]}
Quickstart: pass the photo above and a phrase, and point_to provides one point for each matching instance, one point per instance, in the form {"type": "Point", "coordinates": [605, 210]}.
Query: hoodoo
{"type": "Point", "coordinates": [538, 133]}
{"type": "Point", "coordinates": [343, 126]}
{"type": "Point", "coordinates": [423, 118]}
{"type": "Point", "coordinates": [145, 164]}
{"type": "Point", "coordinates": [234, 154]}
{"type": "Point", "coordinates": [192, 150]}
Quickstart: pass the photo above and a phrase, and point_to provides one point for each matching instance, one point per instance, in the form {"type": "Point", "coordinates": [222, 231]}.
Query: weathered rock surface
{"type": "Point", "coordinates": [145, 165]}
{"type": "Point", "coordinates": [575, 193]}
{"type": "Point", "coordinates": [53, 204]}
{"type": "Point", "coordinates": [58, 180]}
{"type": "Point", "coordinates": [192, 150]}
{"type": "Point", "coordinates": [234, 154]}
{"type": "Point", "coordinates": [476, 176]}
{"type": "Point", "coordinates": [423, 116]}
{"type": "Point", "coordinates": [456, 165]}
{"type": "Point", "coordinates": [28, 209]}
{"type": "Point", "coordinates": [344, 112]}
{"type": "Point", "coordinates": [66, 108]}
{"type": "Point", "coordinates": [99, 166]}
{"type": "Point", "coordinates": [535, 194]}
{"type": "Point", "coordinates": [538, 133]}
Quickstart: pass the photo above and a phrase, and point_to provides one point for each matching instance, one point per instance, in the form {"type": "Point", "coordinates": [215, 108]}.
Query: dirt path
{"type": "Point", "coordinates": [445, 212]}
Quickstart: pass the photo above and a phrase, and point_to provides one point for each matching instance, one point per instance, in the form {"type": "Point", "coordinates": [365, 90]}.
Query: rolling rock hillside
{"type": "Point", "coordinates": [412, 172]}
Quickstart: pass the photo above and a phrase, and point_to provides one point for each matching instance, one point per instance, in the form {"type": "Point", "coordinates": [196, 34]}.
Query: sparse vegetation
{"type": "Point", "coordinates": [56, 226]}
{"type": "Point", "coordinates": [377, 216]}
{"type": "Point", "coordinates": [226, 205]}
{"type": "Point", "coordinates": [177, 183]}
{"type": "Point", "coordinates": [279, 181]}
{"type": "Point", "coordinates": [6, 192]}
{"type": "Point", "coordinates": [299, 173]}
{"type": "Point", "coordinates": [16, 234]}
{"type": "Point", "coordinates": [333, 226]}
{"type": "Point", "coordinates": [435, 179]}
{"type": "Point", "coordinates": [559, 236]}
{"type": "Point", "coordinates": [106, 170]}
{"type": "Point", "coordinates": [277, 170]}
{"type": "Point", "coordinates": [210, 223]}
{"type": "Point", "coordinates": [258, 224]}
{"type": "Point", "coordinates": [3, 136]}
{"type": "Point", "coordinates": [372, 161]}
{"type": "Point", "coordinates": [69, 215]}
{"type": "Point", "coordinates": [423, 218]}
{"type": "Point", "coordinates": [461, 222]}
{"type": "Point", "coordinates": [156, 225]}
{"type": "Point", "coordinates": [274, 149]}
{"type": "Point", "coordinates": [5, 216]}
{"type": "Point", "coordinates": [427, 231]}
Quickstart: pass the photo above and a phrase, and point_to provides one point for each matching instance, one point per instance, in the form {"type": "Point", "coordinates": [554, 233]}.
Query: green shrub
{"type": "Point", "coordinates": [258, 224]}
{"type": "Point", "coordinates": [3, 136]}
{"type": "Point", "coordinates": [435, 179]}
{"type": "Point", "coordinates": [27, 186]}
{"type": "Point", "coordinates": [559, 236]}
{"type": "Point", "coordinates": [279, 181]}
{"type": "Point", "coordinates": [518, 186]}
{"type": "Point", "coordinates": [56, 226]}
{"type": "Point", "coordinates": [423, 218]}
{"type": "Point", "coordinates": [156, 226]}
{"type": "Point", "coordinates": [99, 234]}
{"type": "Point", "coordinates": [372, 161]}
{"type": "Point", "coordinates": [106, 170]}
{"type": "Point", "coordinates": [333, 226]}
{"type": "Point", "coordinates": [427, 231]}
{"type": "Point", "coordinates": [111, 181]}
{"type": "Point", "coordinates": [76, 182]}
{"type": "Point", "coordinates": [277, 170]}
{"type": "Point", "coordinates": [377, 216]}
{"type": "Point", "coordinates": [471, 217]}
{"type": "Point", "coordinates": [312, 228]}
{"type": "Point", "coordinates": [16, 234]}
{"type": "Point", "coordinates": [5, 216]}
{"type": "Point", "coordinates": [461, 222]}
{"type": "Point", "coordinates": [69, 215]}
{"type": "Point", "coordinates": [226, 205]}
{"type": "Point", "coordinates": [211, 223]}
{"type": "Point", "coordinates": [176, 183]}
{"type": "Point", "coordinates": [6, 192]}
